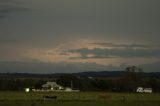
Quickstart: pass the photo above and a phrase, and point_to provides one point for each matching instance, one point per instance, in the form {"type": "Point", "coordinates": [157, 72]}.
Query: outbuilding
{"type": "Point", "coordinates": [145, 90]}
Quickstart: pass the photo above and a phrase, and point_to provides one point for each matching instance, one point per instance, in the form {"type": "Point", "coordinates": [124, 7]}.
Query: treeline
{"type": "Point", "coordinates": [128, 81]}
{"type": "Point", "coordinates": [19, 84]}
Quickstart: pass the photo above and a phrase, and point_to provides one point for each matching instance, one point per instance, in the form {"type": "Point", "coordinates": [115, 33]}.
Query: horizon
{"type": "Point", "coordinates": [93, 73]}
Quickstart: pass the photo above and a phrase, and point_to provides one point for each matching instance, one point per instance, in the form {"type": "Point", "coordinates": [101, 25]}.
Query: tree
{"type": "Point", "coordinates": [132, 78]}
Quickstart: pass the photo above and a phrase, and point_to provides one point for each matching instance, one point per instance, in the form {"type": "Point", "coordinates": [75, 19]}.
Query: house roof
{"type": "Point", "coordinates": [49, 84]}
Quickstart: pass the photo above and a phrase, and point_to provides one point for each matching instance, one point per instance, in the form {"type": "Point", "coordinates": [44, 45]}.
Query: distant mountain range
{"type": "Point", "coordinates": [112, 74]}
{"type": "Point", "coordinates": [108, 74]}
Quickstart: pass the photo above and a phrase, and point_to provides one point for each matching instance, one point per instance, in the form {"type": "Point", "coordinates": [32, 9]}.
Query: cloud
{"type": "Point", "coordinates": [115, 51]}
{"type": "Point", "coordinates": [10, 6]}
{"type": "Point", "coordinates": [113, 45]}
{"type": "Point", "coordinates": [8, 1]}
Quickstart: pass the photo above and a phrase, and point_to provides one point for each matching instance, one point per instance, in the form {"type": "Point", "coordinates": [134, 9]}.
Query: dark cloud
{"type": "Point", "coordinates": [110, 18]}
{"type": "Point", "coordinates": [136, 20]}
{"type": "Point", "coordinates": [10, 6]}
{"type": "Point", "coordinates": [115, 52]}
{"type": "Point", "coordinates": [113, 45]}
{"type": "Point", "coordinates": [8, 2]}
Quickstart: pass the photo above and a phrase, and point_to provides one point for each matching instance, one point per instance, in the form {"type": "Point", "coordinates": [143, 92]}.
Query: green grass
{"type": "Point", "coordinates": [82, 103]}
{"type": "Point", "coordinates": [79, 99]}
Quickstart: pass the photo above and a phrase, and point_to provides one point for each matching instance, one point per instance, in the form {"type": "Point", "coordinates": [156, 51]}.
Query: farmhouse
{"type": "Point", "coordinates": [52, 86]}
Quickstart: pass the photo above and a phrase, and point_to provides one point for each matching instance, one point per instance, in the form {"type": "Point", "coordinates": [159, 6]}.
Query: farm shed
{"type": "Point", "coordinates": [145, 90]}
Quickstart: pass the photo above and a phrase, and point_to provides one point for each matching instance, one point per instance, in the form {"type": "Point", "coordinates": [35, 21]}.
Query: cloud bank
{"type": "Point", "coordinates": [111, 50]}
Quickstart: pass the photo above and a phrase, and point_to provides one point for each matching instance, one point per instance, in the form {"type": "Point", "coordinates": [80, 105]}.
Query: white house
{"type": "Point", "coordinates": [145, 90]}
{"type": "Point", "coordinates": [52, 86]}
{"type": "Point", "coordinates": [140, 89]}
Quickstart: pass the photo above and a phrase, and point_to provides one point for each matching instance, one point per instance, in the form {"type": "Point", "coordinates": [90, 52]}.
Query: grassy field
{"type": "Point", "coordinates": [78, 99]}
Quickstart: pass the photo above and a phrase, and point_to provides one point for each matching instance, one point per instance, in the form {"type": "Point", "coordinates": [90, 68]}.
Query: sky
{"type": "Point", "coordinates": [54, 36]}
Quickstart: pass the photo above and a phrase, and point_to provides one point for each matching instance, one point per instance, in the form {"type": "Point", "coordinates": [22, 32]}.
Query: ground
{"type": "Point", "coordinates": [79, 99]}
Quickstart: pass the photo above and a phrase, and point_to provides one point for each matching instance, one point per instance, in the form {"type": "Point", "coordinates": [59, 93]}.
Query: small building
{"type": "Point", "coordinates": [145, 90]}
{"type": "Point", "coordinates": [52, 86]}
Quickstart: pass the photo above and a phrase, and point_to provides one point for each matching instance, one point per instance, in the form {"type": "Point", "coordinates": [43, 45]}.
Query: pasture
{"type": "Point", "coordinates": [78, 99]}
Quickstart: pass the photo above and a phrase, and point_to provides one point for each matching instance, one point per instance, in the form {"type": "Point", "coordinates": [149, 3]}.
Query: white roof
{"type": "Point", "coordinates": [48, 84]}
